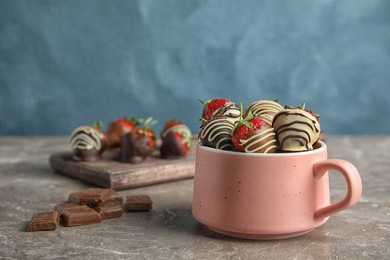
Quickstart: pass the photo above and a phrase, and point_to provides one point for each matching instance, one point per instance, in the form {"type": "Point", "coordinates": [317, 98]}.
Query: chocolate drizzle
{"type": "Point", "coordinates": [176, 142]}
{"type": "Point", "coordinates": [266, 109]}
{"type": "Point", "coordinates": [260, 141]}
{"type": "Point", "coordinates": [87, 143]}
{"type": "Point", "coordinates": [182, 129]}
{"type": "Point", "coordinates": [230, 110]}
{"type": "Point", "coordinates": [216, 133]}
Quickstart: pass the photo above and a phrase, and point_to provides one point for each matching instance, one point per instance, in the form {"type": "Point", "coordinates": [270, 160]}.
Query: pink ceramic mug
{"type": "Point", "coordinates": [268, 196]}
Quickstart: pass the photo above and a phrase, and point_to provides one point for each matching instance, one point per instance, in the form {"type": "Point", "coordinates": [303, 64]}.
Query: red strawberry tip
{"type": "Point", "coordinates": [171, 123]}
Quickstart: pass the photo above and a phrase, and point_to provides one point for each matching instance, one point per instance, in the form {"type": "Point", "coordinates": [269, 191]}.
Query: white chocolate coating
{"type": "Point", "coordinates": [296, 129]}
{"type": "Point", "coordinates": [264, 108]}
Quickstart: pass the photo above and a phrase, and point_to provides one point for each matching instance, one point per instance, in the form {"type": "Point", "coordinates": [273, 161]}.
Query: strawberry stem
{"type": "Point", "coordinates": [98, 125]}
{"type": "Point", "coordinates": [201, 101]}
{"type": "Point", "coordinates": [149, 122]}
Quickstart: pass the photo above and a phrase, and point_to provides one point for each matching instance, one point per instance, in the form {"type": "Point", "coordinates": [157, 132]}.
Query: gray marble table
{"type": "Point", "coordinates": [29, 185]}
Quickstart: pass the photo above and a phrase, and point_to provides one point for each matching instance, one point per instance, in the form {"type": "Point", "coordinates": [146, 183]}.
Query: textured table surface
{"type": "Point", "coordinates": [29, 185]}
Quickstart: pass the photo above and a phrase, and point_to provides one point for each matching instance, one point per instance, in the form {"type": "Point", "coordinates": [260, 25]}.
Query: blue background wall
{"type": "Point", "coordinates": [70, 63]}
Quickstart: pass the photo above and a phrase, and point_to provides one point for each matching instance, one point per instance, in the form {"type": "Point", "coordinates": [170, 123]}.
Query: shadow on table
{"type": "Point", "coordinates": [178, 218]}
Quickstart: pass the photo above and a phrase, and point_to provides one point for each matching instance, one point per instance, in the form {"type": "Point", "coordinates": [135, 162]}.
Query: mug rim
{"type": "Point", "coordinates": [320, 149]}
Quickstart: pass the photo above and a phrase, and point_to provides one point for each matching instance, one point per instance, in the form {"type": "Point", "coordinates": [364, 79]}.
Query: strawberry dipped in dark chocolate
{"type": "Point", "coordinates": [134, 148]}
{"type": "Point", "coordinates": [176, 140]}
{"type": "Point", "coordinates": [88, 143]}
{"type": "Point", "coordinates": [218, 107]}
{"type": "Point", "coordinates": [216, 133]}
{"type": "Point", "coordinates": [254, 135]}
{"type": "Point", "coordinates": [137, 145]}
{"type": "Point", "coordinates": [118, 128]}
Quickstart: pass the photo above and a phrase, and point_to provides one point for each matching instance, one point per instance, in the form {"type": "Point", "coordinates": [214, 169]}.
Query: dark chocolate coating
{"type": "Point", "coordinates": [87, 135]}
{"type": "Point", "coordinates": [216, 134]}
{"type": "Point", "coordinates": [134, 148]}
{"type": "Point", "coordinates": [87, 155]}
{"type": "Point", "coordinates": [171, 148]}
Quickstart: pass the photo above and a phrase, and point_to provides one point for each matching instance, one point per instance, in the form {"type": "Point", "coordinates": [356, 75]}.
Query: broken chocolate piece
{"type": "Point", "coordinates": [76, 215]}
{"type": "Point", "coordinates": [115, 197]}
{"type": "Point", "coordinates": [96, 196]}
{"type": "Point", "coordinates": [42, 221]}
{"type": "Point", "coordinates": [138, 203]}
{"type": "Point", "coordinates": [74, 197]}
{"type": "Point", "coordinates": [109, 210]}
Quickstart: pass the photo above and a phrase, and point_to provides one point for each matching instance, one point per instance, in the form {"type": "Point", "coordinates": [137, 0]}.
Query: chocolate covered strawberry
{"type": "Point", "coordinates": [118, 128]}
{"type": "Point", "coordinates": [254, 135]}
{"type": "Point", "coordinates": [216, 133]}
{"type": "Point", "coordinates": [297, 129]}
{"type": "Point", "coordinates": [138, 144]}
{"type": "Point", "coordinates": [217, 107]}
{"type": "Point", "coordinates": [146, 131]}
{"type": "Point", "coordinates": [88, 142]}
{"type": "Point", "coordinates": [265, 109]}
{"type": "Point", "coordinates": [176, 139]}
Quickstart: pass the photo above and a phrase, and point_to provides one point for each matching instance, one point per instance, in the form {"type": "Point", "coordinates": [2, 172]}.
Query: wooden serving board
{"type": "Point", "coordinates": [110, 173]}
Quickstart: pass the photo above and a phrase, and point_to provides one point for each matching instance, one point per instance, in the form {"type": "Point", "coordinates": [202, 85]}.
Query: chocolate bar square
{"type": "Point", "coordinates": [109, 210]}
{"type": "Point", "coordinates": [138, 203]}
{"type": "Point", "coordinates": [42, 221]}
{"type": "Point", "coordinates": [76, 214]}
{"type": "Point", "coordinates": [95, 196]}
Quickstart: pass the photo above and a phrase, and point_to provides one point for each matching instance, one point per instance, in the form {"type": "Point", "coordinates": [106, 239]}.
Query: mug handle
{"type": "Point", "coordinates": [351, 176]}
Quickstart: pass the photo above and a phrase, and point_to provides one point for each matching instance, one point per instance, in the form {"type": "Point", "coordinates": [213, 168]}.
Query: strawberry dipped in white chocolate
{"type": "Point", "coordinates": [296, 129]}
{"type": "Point", "coordinates": [265, 109]}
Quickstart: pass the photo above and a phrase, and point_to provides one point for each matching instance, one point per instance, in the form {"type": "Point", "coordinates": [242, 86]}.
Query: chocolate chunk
{"type": "Point", "coordinates": [138, 203]}
{"type": "Point", "coordinates": [96, 196]}
{"type": "Point", "coordinates": [42, 221]}
{"type": "Point", "coordinates": [93, 196]}
{"type": "Point", "coordinates": [74, 197]}
{"type": "Point", "coordinates": [73, 214]}
{"type": "Point", "coordinates": [115, 197]}
{"type": "Point", "coordinates": [109, 210]}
